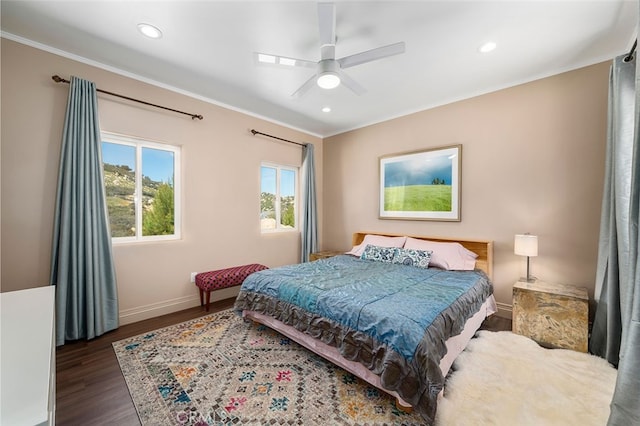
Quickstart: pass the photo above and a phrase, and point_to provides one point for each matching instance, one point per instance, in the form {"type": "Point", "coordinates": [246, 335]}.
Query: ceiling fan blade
{"type": "Point", "coordinates": [351, 84]}
{"type": "Point", "coordinates": [372, 55]}
{"type": "Point", "coordinates": [282, 61]}
{"type": "Point", "coordinates": [308, 85]}
{"type": "Point", "coordinates": [327, 23]}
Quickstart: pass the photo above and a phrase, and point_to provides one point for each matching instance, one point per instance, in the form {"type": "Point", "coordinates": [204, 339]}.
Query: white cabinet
{"type": "Point", "coordinates": [28, 363]}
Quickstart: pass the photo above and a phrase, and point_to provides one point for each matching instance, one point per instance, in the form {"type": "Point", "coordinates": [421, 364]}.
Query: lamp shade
{"type": "Point", "coordinates": [526, 245]}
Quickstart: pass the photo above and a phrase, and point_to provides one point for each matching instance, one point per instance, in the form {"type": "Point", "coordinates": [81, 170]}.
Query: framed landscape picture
{"type": "Point", "coordinates": [423, 185]}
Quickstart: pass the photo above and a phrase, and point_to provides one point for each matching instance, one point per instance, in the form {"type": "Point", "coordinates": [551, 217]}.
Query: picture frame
{"type": "Point", "coordinates": [421, 185]}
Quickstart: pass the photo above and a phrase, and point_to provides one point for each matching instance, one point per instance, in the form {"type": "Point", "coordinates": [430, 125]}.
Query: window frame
{"type": "Point", "coordinates": [278, 205]}
{"type": "Point", "coordinates": [139, 144]}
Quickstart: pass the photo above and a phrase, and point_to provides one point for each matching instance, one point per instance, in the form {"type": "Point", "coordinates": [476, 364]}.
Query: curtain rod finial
{"type": "Point", "coordinates": [629, 56]}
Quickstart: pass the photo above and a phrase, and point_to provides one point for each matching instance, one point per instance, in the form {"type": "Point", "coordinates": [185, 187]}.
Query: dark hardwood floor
{"type": "Point", "coordinates": [90, 388]}
{"type": "Point", "coordinates": [496, 323]}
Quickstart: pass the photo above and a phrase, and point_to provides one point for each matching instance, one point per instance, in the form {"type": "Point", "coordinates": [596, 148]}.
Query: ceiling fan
{"type": "Point", "coordinates": [329, 70]}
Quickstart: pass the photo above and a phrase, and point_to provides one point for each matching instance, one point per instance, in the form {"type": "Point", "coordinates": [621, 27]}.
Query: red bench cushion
{"type": "Point", "coordinates": [223, 278]}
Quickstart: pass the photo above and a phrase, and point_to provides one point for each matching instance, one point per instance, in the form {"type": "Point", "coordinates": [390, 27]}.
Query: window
{"type": "Point", "coordinates": [142, 181]}
{"type": "Point", "coordinates": [278, 201]}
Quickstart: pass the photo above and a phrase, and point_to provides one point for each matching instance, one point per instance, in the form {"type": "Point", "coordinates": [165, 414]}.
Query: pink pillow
{"type": "Point", "coordinates": [377, 240]}
{"type": "Point", "coordinates": [449, 256]}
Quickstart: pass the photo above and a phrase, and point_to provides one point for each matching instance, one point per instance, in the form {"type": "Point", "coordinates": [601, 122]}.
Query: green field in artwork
{"type": "Point", "coordinates": [413, 198]}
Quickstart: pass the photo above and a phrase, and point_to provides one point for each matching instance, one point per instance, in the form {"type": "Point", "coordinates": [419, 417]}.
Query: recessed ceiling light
{"type": "Point", "coordinates": [149, 30]}
{"type": "Point", "coordinates": [267, 59]}
{"type": "Point", "coordinates": [487, 47]}
{"type": "Point", "coordinates": [326, 109]}
{"type": "Point", "coordinates": [288, 62]}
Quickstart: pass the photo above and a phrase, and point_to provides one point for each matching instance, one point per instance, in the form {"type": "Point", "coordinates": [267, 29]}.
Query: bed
{"type": "Point", "coordinates": [397, 326]}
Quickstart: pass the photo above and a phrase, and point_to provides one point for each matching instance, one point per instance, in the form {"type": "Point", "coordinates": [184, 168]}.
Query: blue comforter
{"type": "Point", "coordinates": [365, 295]}
{"type": "Point", "coordinates": [393, 319]}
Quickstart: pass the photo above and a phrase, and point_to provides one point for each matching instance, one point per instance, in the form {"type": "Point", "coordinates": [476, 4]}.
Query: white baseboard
{"type": "Point", "coordinates": [128, 316]}
{"type": "Point", "coordinates": [504, 310]}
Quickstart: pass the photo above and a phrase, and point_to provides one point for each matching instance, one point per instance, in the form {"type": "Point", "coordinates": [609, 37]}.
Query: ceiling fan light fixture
{"type": "Point", "coordinates": [328, 77]}
{"type": "Point", "coordinates": [328, 80]}
{"type": "Point", "coordinates": [329, 70]}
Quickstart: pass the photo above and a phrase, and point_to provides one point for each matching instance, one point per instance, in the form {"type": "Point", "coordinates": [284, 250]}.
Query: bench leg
{"type": "Point", "coordinates": [208, 297]}
{"type": "Point", "coordinates": [400, 405]}
{"type": "Point", "coordinates": [201, 297]}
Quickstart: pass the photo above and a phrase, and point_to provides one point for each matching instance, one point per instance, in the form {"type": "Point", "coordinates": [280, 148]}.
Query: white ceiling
{"type": "Point", "coordinates": [207, 49]}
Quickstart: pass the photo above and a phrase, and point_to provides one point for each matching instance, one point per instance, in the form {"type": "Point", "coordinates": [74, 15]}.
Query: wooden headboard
{"type": "Point", "coordinates": [483, 248]}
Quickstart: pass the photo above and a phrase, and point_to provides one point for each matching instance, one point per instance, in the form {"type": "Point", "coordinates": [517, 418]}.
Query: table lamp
{"type": "Point", "coordinates": [526, 245]}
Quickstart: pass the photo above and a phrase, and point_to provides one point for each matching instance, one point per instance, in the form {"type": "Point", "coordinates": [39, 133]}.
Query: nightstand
{"type": "Point", "coordinates": [324, 254]}
{"type": "Point", "coordinates": [554, 315]}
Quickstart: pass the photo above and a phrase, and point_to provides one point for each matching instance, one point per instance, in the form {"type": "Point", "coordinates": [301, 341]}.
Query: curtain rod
{"type": "Point", "coordinates": [255, 132]}
{"type": "Point", "coordinates": [59, 79]}
{"type": "Point", "coordinates": [629, 57]}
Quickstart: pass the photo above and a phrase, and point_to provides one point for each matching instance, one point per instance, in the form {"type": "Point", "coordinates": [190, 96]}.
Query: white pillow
{"type": "Point", "coordinates": [377, 240]}
{"type": "Point", "coordinates": [449, 256]}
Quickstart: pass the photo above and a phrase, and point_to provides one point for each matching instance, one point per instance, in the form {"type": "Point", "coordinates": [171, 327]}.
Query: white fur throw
{"type": "Point", "coordinates": [503, 378]}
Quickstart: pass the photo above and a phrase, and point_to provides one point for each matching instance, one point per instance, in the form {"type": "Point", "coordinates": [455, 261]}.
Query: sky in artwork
{"type": "Point", "coordinates": [421, 170]}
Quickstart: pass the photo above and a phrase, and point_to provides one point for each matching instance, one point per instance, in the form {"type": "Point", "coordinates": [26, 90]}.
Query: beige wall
{"type": "Point", "coordinates": [532, 161]}
{"type": "Point", "coordinates": [220, 164]}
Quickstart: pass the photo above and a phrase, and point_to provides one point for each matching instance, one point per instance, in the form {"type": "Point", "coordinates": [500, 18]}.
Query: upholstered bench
{"type": "Point", "coordinates": [223, 278]}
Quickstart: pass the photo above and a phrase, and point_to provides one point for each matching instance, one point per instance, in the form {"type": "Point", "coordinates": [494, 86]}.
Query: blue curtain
{"type": "Point", "coordinates": [82, 266]}
{"type": "Point", "coordinates": [309, 210]}
{"type": "Point", "coordinates": [616, 328]}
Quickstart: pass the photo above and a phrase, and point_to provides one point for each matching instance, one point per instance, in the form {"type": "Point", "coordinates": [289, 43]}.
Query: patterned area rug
{"type": "Point", "coordinates": [222, 370]}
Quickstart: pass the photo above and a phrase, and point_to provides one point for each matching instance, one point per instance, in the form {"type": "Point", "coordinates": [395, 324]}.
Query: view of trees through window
{"type": "Point", "coordinates": [277, 198]}
{"type": "Point", "coordinates": [151, 214]}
